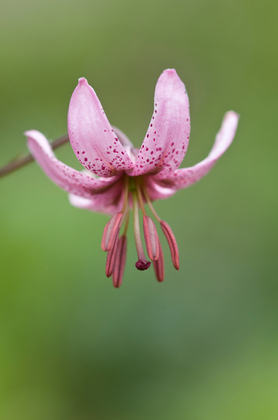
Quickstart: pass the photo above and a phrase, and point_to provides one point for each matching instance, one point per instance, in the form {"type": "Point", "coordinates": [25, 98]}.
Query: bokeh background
{"type": "Point", "coordinates": [204, 344]}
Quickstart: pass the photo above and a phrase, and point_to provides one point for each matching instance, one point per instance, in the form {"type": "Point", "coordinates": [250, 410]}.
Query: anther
{"type": "Point", "coordinates": [110, 259]}
{"type": "Point", "coordinates": [151, 238]}
{"type": "Point", "coordinates": [119, 263]}
{"type": "Point", "coordinates": [158, 266]}
{"type": "Point", "coordinates": [172, 243]}
{"type": "Point", "coordinates": [111, 230]}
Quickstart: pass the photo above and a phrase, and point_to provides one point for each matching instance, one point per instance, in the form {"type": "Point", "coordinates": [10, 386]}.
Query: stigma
{"type": "Point", "coordinates": [115, 244]}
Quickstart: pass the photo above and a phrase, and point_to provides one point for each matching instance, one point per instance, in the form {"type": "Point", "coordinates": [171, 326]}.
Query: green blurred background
{"type": "Point", "coordinates": [204, 344]}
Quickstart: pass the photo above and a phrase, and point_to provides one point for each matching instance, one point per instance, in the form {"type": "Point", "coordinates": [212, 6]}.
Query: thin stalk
{"type": "Point", "coordinates": [147, 198]}
{"type": "Point", "coordinates": [140, 198]}
{"type": "Point", "coordinates": [126, 220]}
{"type": "Point", "coordinates": [126, 188]}
{"type": "Point", "coordinates": [18, 163]}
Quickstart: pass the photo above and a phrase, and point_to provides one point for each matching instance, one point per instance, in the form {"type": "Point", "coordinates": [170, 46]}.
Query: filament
{"type": "Point", "coordinates": [147, 198]}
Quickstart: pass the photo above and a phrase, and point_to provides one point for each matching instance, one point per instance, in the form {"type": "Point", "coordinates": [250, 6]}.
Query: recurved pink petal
{"type": "Point", "coordinates": [69, 179]}
{"type": "Point", "coordinates": [183, 178]}
{"type": "Point", "coordinates": [167, 137]}
{"type": "Point", "coordinates": [93, 140]}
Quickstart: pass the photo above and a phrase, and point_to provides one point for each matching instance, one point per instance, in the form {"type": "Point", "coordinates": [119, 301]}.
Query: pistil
{"type": "Point", "coordinates": [142, 263]}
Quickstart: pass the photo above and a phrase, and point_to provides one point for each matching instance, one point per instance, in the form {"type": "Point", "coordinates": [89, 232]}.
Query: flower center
{"type": "Point", "coordinates": [135, 196]}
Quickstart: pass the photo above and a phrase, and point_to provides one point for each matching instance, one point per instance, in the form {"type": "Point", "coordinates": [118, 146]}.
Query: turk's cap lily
{"type": "Point", "coordinates": [118, 176]}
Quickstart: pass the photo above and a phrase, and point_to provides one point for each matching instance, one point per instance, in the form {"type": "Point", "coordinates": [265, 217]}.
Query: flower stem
{"type": "Point", "coordinates": [18, 163]}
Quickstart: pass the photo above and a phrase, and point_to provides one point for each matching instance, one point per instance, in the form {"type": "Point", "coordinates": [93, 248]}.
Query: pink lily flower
{"type": "Point", "coordinates": [119, 177]}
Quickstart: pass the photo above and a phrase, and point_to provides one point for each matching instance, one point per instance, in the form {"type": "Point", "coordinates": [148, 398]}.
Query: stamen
{"type": "Point", "coordinates": [142, 263]}
{"type": "Point", "coordinates": [158, 266]}
{"type": "Point", "coordinates": [150, 233]}
{"type": "Point", "coordinates": [103, 241]}
{"type": "Point", "coordinates": [148, 200]}
{"type": "Point", "coordinates": [110, 259]}
{"type": "Point", "coordinates": [172, 243]}
{"type": "Point", "coordinates": [151, 238]}
{"type": "Point", "coordinates": [119, 263]}
{"type": "Point", "coordinates": [113, 226]}
{"type": "Point", "coordinates": [126, 220]}
{"type": "Point", "coordinates": [110, 231]}
{"type": "Point", "coordinates": [166, 230]}
{"type": "Point", "coordinates": [126, 187]}
{"type": "Point", "coordinates": [140, 198]}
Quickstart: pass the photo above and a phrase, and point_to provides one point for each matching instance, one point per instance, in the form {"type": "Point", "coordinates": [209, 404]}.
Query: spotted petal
{"type": "Point", "coordinates": [167, 138]}
{"type": "Point", "coordinates": [93, 140]}
{"type": "Point", "coordinates": [67, 178]}
{"type": "Point", "coordinates": [183, 178]}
